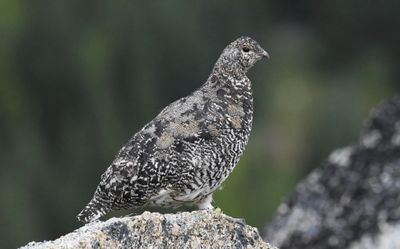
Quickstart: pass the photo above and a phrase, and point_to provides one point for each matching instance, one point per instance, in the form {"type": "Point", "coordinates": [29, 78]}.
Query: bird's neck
{"type": "Point", "coordinates": [228, 72]}
{"type": "Point", "coordinates": [229, 67]}
{"type": "Point", "coordinates": [230, 84]}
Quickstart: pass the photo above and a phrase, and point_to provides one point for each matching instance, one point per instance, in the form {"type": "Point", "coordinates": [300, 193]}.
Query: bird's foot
{"type": "Point", "coordinates": [205, 204]}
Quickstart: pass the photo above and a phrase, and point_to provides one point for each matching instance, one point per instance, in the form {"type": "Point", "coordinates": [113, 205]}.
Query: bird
{"type": "Point", "coordinates": [188, 150]}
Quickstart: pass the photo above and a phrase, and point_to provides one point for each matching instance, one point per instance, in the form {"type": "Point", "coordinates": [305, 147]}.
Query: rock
{"type": "Point", "coordinates": [197, 229]}
{"type": "Point", "coordinates": [353, 199]}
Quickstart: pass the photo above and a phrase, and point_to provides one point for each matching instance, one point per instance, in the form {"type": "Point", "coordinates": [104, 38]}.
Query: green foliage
{"type": "Point", "coordinates": [77, 78]}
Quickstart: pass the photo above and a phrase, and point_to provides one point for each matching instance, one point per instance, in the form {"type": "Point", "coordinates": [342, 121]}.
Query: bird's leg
{"type": "Point", "coordinates": [205, 203]}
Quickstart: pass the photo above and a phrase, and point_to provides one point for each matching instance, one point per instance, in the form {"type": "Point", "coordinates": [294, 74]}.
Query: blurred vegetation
{"type": "Point", "coordinates": [78, 78]}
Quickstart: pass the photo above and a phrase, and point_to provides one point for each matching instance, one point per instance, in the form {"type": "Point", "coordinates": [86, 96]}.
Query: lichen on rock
{"type": "Point", "coordinates": [197, 229]}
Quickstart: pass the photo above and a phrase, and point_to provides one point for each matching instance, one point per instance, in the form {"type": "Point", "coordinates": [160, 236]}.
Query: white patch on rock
{"type": "Point", "coordinates": [388, 238]}
{"type": "Point", "coordinates": [371, 139]}
{"type": "Point", "coordinates": [306, 221]}
{"type": "Point", "coordinates": [341, 157]}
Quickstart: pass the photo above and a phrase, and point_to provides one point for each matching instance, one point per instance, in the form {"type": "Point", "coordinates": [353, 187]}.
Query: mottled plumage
{"type": "Point", "coordinates": [185, 153]}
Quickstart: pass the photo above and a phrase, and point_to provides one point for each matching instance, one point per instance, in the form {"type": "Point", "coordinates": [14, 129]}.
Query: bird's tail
{"type": "Point", "coordinates": [95, 209]}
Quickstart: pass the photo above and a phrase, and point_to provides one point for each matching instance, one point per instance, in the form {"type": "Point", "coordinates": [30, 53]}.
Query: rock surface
{"type": "Point", "coordinates": [197, 229]}
{"type": "Point", "coordinates": [353, 200]}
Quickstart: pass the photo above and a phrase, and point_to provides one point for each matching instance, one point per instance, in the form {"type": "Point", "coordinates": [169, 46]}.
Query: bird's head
{"type": "Point", "coordinates": [241, 55]}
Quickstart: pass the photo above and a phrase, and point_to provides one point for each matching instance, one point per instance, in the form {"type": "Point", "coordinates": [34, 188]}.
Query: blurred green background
{"type": "Point", "coordinates": [78, 78]}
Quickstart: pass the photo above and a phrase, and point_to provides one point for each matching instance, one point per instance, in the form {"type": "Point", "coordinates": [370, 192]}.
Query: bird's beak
{"type": "Point", "coordinates": [265, 53]}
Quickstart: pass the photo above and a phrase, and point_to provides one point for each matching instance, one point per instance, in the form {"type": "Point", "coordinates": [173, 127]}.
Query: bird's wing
{"type": "Point", "coordinates": [178, 129]}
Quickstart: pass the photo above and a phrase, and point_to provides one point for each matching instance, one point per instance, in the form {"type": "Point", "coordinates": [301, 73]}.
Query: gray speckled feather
{"type": "Point", "coordinates": [185, 153]}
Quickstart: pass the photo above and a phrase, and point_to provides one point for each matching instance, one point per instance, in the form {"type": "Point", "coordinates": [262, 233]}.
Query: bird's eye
{"type": "Point", "coordinates": [246, 49]}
